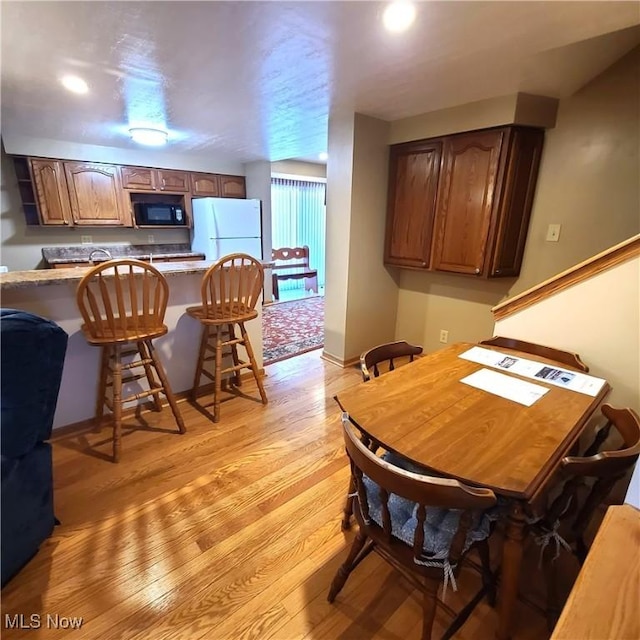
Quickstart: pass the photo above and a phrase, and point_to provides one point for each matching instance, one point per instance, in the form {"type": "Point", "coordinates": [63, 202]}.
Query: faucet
{"type": "Point", "coordinates": [109, 256]}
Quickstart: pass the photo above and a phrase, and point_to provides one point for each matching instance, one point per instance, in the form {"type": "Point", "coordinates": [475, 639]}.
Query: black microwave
{"type": "Point", "coordinates": [150, 213]}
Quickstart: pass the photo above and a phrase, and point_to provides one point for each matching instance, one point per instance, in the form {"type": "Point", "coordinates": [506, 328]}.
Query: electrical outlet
{"type": "Point", "coordinates": [444, 336]}
{"type": "Point", "coordinates": [86, 239]}
{"type": "Point", "coordinates": [553, 233]}
{"type": "Point", "coordinates": [150, 238]}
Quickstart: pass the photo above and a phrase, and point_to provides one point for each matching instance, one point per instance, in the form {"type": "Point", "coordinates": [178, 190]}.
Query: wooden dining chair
{"type": "Point", "coordinates": [230, 291]}
{"type": "Point", "coordinates": [388, 352]}
{"type": "Point", "coordinates": [564, 357]}
{"type": "Point", "coordinates": [564, 524]}
{"type": "Point", "coordinates": [369, 361]}
{"type": "Point", "coordinates": [123, 302]}
{"type": "Point", "coordinates": [422, 525]}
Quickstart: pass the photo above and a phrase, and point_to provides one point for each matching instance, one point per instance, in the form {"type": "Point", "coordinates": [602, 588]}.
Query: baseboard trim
{"type": "Point", "coordinates": [344, 364]}
{"type": "Point", "coordinates": [89, 424]}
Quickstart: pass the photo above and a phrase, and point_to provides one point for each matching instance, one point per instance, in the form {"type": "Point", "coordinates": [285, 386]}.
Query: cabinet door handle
{"type": "Point", "coordinates": [477, 270]}
{"type": "Point", "coordinates": [424, 264]}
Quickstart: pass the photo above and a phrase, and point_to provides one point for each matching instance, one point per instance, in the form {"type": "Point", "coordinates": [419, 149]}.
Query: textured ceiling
{"type": "Point", "coordinates": [256, 80]}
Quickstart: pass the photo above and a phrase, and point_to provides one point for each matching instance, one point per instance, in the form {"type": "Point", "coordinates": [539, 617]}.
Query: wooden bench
{"type": "Point", "coordinates": [292, 263]}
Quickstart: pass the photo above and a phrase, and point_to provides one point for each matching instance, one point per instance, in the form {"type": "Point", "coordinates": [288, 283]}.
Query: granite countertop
{"type": "Point", "coordinates": [41, 277]}
{"type": "Point", "coordinates": [81, 253]}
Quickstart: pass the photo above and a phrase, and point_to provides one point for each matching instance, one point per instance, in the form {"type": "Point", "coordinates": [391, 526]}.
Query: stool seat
{"type": "Point", "coordinates": [122, 303]}
{"type": "Point", "coordinates": [222, 315]}
{"type": "Point", "coordinates": [111, 336]}
{"type": "Point", "coordinates": [230, 291]}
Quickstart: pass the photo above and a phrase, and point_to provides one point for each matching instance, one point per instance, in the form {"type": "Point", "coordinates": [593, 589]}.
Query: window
{"type": "Point", "coordinates": [298, 218]}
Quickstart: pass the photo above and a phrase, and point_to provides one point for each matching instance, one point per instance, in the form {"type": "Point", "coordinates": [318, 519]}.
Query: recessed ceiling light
{"type": "Point", "coordinates": [399, 16]}
{"type": "Point", "coordinates": [75, 84]}
{"type": "Point", "coordinates": [148, 136]}
{"type": "Point", "coordinates": [324, 156]}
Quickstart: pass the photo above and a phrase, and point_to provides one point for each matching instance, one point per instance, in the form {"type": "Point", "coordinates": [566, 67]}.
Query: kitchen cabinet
{"type": "Point", "coordinates": [413, 184]}
{"type": "Point", "coordinates": [145, 179]}
{"type": "Point", "coordinates": [461, 203]}
{"type": "Point", "coordinates": [205, 184]}
{"type": "Point", "coordinates": [232, 186]}
{"type": "Point", "coordinates": [69, 193]}
{"type": "Point", "coordinates": [176, 181]}
{"type": "Point", "coordinates": [95, 194]}
{"type": "Point", "coordinates": [51, 192]}
{"type": "Point", "coordinates": [138, 178]}
{"type": "Point", "coordinates": [465, 199]}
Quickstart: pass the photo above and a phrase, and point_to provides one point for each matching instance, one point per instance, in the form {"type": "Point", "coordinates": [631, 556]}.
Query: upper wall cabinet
{"type": "Point", "coordinates": [413, 184]}
{"type": "Point", "coordinates": [176, 181]}
{"type": "Point", "coordinates": [67, 193]}
{"type": "Point", "coordinates": [205, 184]}
{"type": "Point", "coordinates": [138, 178]}
{"type": "Point", "coordinates": [232, 186]}
{"type": "Point", "coordinates": [51, 192]}
{"type": "Point", "coordinates": [465, 199]}
{"type": "Point", "coordinates": [145, 179]}
{"type": "Point", "coordinates": [461, 203]}
{"type": "Point", "coordinates": [95, 193]}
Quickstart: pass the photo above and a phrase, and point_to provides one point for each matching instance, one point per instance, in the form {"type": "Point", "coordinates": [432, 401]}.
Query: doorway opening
{"type": "Point", "coordinates": [294, 323]}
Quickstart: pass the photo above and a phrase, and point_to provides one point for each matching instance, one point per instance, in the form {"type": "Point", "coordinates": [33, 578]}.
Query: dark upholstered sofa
{"type": "Point", "coordinates": [33, 351]}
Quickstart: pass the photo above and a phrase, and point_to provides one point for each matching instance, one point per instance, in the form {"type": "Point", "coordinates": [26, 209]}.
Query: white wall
{"type": "Point", "coordinates": [258, 178]}
{"type": "Point", "coordinates": [338, 236]}
{"type": "Point", "coordinates": [599, 319]}
{"type": "Point", "coordinates": [299, 168]}
{"type": "Point", "coordinates": [361, 294]}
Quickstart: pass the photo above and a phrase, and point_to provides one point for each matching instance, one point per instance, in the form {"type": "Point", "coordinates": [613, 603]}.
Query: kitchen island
{"type": "Point", "coordinates": [51, 293]}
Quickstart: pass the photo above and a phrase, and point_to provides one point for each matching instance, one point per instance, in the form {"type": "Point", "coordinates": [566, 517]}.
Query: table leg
{"type": "Point", "coordinates": [510, 570]}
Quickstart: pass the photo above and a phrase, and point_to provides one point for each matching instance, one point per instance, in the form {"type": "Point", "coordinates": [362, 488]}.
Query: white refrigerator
{"type": "Point", "coordinates": [226, 225]}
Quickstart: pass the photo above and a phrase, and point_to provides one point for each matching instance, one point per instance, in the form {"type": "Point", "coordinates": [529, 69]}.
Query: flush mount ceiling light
{"type": "Point", "coordinates": [399, 16]}
{"type": "Point", "coordinates": [74, 84]}
{"type": "Point", "coordinates": [148, 136]}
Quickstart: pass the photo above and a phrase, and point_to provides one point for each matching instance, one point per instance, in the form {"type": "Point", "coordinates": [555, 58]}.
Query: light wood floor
{"type": "Point", "coordinates": [229, 531]}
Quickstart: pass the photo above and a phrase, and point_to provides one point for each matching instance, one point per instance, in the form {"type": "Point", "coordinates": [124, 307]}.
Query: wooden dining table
{"type": "Point", "coordinates": [423, 411]}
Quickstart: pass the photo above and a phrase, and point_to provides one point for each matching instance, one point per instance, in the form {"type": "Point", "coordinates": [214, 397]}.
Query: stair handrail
{"type": "Point", "coordinates": [615, 255]}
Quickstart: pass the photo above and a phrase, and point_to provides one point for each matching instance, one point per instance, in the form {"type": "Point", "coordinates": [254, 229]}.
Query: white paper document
{"type": "Point", "coordinates": [504, 386]}
{"type": "Point", "coordinates": [574, 380]}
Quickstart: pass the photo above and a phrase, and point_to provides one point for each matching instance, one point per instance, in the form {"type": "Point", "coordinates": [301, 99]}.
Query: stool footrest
{"type": "Point", "coordinates": [237, 367]}
{"type": "Point", "coordinates": [143, 394]}
{"type": "Point", "coordinates": [138, 363]}
{"type": "Point", "coordinates": [137, 376]}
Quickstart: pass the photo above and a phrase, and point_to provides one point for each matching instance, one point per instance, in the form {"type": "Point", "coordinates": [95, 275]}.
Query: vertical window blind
{"type": "Point", "coordinates": [298, 218]}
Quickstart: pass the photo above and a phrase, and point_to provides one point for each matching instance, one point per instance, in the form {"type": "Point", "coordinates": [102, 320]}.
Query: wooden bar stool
{"type": "Point", "coordinates": [123, 303]}
{"type": "Point", "coordinates": [230, 291]}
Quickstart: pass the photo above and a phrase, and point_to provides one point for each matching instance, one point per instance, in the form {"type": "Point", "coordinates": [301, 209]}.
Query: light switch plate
{"type": "Point", "coordinates": [553, 233]}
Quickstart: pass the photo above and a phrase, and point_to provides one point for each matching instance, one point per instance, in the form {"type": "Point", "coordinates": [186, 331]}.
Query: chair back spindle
{"type": "Point", "coordinates": [122, 299]}
{"type": "Point", "coordinates": [231, 287]}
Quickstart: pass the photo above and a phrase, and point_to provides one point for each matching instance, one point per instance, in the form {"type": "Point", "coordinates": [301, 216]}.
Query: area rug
{"type": "Point", "coordinates": [291, 328]}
